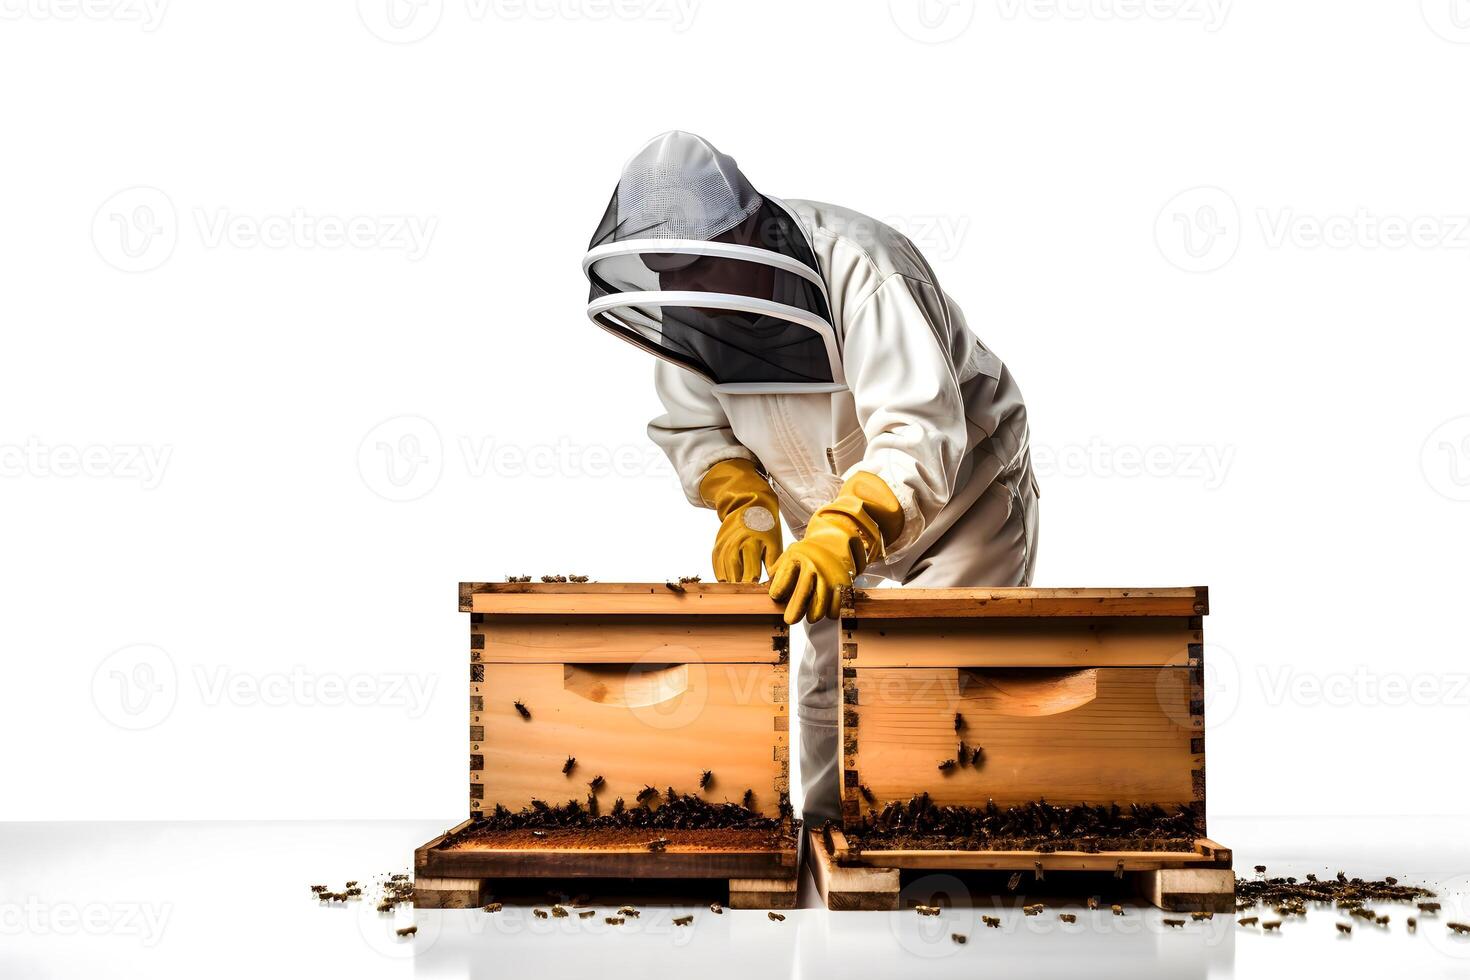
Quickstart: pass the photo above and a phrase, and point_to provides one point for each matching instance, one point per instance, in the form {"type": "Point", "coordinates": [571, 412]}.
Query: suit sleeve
{"type": "Point", "coordinates": [896, 354]}
{"type": "Point", "coordinates": [693, 431]}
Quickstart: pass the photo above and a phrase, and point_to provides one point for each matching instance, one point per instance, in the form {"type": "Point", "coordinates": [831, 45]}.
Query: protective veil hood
{"type": "Point", "coordinates": [693, 265]}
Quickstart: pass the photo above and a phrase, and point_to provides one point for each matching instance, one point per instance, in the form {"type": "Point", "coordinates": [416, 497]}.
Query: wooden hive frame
{"type": "Point", "coordinates": [1056, 630]}
{"type": "Point", "coordinates": [584, 627]}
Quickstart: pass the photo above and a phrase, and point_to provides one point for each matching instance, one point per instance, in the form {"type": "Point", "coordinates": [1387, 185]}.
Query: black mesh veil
{"type": "Point", "coordinates": [737, 304]}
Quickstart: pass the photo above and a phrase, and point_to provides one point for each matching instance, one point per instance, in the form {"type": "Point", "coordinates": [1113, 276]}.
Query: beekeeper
{"type": "Point", "coordinates": [812, 368]}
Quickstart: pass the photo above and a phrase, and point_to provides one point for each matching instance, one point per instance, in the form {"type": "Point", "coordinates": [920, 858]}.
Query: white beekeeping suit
{"type": "Point", "coordinates": [817, 344]}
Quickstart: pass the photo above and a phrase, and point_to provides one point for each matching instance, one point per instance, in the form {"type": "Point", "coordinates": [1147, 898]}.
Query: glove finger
{"type": "Point", "coordinates": [835, 608]}
{"type": "Point", "coordinates": [820, 600]}
{"type": "Point", "coordinates": [770, 554]}
{"type": "Point", "coordinates": [783, 577]}
{"type": "Point", "coordinates": [750, 562]}
{"type": "Point", "coordinates": [719, 558]}
{"type": "Point", "coordinates": [800, 595]}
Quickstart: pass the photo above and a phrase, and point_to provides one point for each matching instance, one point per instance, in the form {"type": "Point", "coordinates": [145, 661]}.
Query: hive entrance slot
{"type": "Point", "coordinates": [1028, 692]}
{"type": "Point", "coordinates": [626, 685]}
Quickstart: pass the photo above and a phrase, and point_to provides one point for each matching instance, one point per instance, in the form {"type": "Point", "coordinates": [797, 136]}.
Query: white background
{"type": "Point", "coordinates": [1259, 386]}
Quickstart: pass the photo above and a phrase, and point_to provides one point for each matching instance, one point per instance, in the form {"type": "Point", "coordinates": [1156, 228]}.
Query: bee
{"type": "Point", "coordinates": [538, 833]}
{"type": "Point", "coordinates": [775, 916]}
{"type": "Point", "coordinates": [1036, 909]}
{"type": "Point", "coordinates": [1260, 869]}
{"type": "Point", "coordinates": [1458, 928]}
{"type": "Point", "coordinates": [1067, 916]}
{"type": "Point", "coordinates": [492, 907]}
{"type": "Point", "coordinates": [1276, 924]}
{"type": "Point", "coordinates": [1364, 914]}
{"type": "Point", "coordinates": [539, 913]}
{"type": "Point", "coordinates": [1382, 920]}
{"type": "Point", "coordinates": [318, 889]}
{"type": "Point", "coordinates": [579, 579]}
{"type": "Point", "coordinates": [595, 783]}
{"type": "Point", "coordinates": [958, 939]}
{"type": "Point", "coordinates": [716, 909]}
{"type": "Point", "coordinates": [629, 911]}
{"type": "Point", "coordinates": [586, 914]}
{"type": "Point", "coordinates": [947, 765]}
{"type": "Point", "coordinates": [385, 906]}
{"type": "Point", "coordinates": [827, 842]}
{"type": "Point", "coordinates": [1341, 877]}
{"type": "Point", "coordinates": [1391, 880]}
{"type": "Point", "coordinates": [977, 756]}
{"type": "Point", "coordinates": [705, 779]}
{"type": "Point", "coordinates": [518, 578]}
{"type": "Point", "coordinates": [962, 754]}
{"type": "Point", "coordinates": [407, 931]}
{"type": "Point", "coordinates": [523, 711]}
{"type": "Point", "coordinates": [647, 795]}
{"type": "Point", "coordinates": [748, 800]}
{"type": "Point", "coordinates": [688, 579]}
{"type": "Point", "coordinates": [1311, 877]}
{"type": "Point", "coordinates": [683, 920]}
{"type": "Point", "coordinates": [1249, 920]}
{"type": "Point", "coordinates": [658, 844]}
{"type": "Point", "coordinates": [991, 921]}
{"type": "Point", "coordinates": [569, 765]}
{"type": "Point", "coordinates": [1428, 907]}
{"type": "Point", "coordinates": [553, 578]}
{"type": "Point", "coordinates": [1174, 923]}
{"type": "Point", "coordinates": [673, 586]}
{"type": "Point", "coordinates": [1413, 924]}
{"type": "Point", "coordinates": [613, 920]}
{"type": "Point", "coordinates": [927, 909]}
{"type": "Point", "coordinates": [959, 722]}
{"type": "Point", "coordinates": [867, 794]}
{"type": "Point", "coordinates": [1117, 910]}
{"type": "Point", "coordinates": [1201, 916]}
{"type": "Point", "coordinates": [559, 912]}
{"type": "Point", "coordinates": [352, 884]}
{"type": "Point", "coordinates": [1014, 882]}
{"type": "Point", "coordinates": [1092, 902]}
{"type": "Point", "coordinates": [1118, 871]}
{"type": "Point", "coordinates": [1346, 928]}
{"type": "Point", "coordinates": [1038, 870]}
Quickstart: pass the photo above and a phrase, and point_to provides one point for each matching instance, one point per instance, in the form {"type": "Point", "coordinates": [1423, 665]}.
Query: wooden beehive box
{"type": "Point", "coordinates": [643, 685]}
{"type": "Point", "coordinates": [1071, 696]}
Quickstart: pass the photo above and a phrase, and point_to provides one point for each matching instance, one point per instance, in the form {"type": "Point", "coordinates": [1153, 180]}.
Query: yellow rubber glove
{"type": "Point", "coordinates": [841, 540]}
{"type": "Point", "coordinates": [750, 533]}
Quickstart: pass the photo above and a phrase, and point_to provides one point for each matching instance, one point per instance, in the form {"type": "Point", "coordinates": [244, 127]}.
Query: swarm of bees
{"type": "Point", "coordinates": [775, 916]}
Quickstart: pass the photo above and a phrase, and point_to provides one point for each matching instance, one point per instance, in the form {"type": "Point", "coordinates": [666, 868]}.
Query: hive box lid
{"type": "Point", "coordinates": [615, 599]}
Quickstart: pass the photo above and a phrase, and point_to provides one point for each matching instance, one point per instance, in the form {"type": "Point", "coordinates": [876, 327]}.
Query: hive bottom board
{"type": "Point", "coordinates": [760, 872]}
{"type": "Point", "coordinates": [1197, 881]}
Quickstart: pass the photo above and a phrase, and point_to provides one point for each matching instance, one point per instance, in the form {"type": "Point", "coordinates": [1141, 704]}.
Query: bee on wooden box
{"type": "Point", "coordinates": [595, 783]}
{"type": "Point", "coordinates": [748, 800]}
{"type": "Point", "coordinates": [579, 579]}
{"type": "Point", "coordinates": [705, 778]}
{"type": "Point", "coordinates": [1276, 924]}
{"type": "Point", "coordinates": [1428, 907]}
{"type": "Point", "coordinates": [1249, 920]}
{"type": "Point", "coordinates": [569, 765]}
{"type": "Point", "coordinates": [1038, 870]}
{"type": "Point", "coordinates": [947, 765]}
{"type": "Point", "coordinates": [959, 722]}
{"type": "Point", "coordinates": [522, 710]}
{"type": "Point", "coordinates": [658, 844]}
{"type": "Point", "coordinates": [867, 794]}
